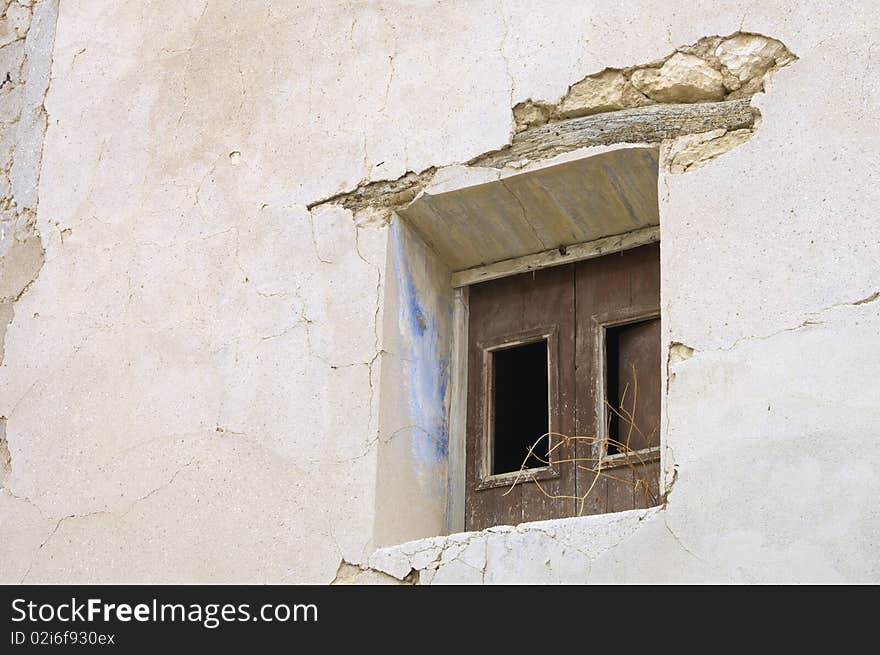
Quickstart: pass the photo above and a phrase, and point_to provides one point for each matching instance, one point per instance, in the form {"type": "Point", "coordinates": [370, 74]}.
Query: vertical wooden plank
{"type": "Point", "coordinates": [457, 482]}
{"type": "Point", "coordinates": [550, 298]}
{"type": "Point", "coordinates": [620, 488]}
{"type": "Point", "coordinates": [644, 263]}
{"type": "Point", "coordinates": [593, 488]}
{"type": "Point", "coordinates": [495, 307]}
{"type": "Point", "coordinates": [607, 286]}
{"type": "Point", "coordinates": [647, 489]}
{"type": "Point", "coordinates": [639, 374]}
{"type": "Point", "coordinates": [508, 306]}
{"type": "Point", "coordinates": [600, 284]}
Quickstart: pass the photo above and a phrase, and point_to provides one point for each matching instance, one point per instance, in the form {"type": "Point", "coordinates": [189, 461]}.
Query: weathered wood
{"type": "Point", "coordinates": [556, 256]}
{"type": "Point", "coordinates": [458, 413]}
{"type": "Point", "coordinates": [612, 290]}
{"type": "Point", "coordinates": [649, 124]}
{"type": "Point", "coordinates": [500, 312]}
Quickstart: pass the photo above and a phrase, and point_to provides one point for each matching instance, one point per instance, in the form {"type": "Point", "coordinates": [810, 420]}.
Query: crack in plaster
{"type": "Point", "coordinates": [525, 214]}
{"type": "Point", "coordinates": [719, 572]}
{"type": "Point", "coordinates": [391, 66]}
{"type": "Point", "coordinates": [378, 439]}
{"type": "Point", "coordinates": [502, 50]}
{"type": "Point", "coordinates": [804, 323]}
{"type": "Point", "coordinates": [681, 544]}
{"type": "Point", "coordinates": [357, 247]}
{"type": "Point", "coordinates": [122, 514]}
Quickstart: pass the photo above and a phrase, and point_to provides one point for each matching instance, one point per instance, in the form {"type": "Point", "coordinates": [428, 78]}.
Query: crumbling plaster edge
{"type": "Point", "coordinates": [30, 135]}
{"type": "Point", "coordinates": [25, 172]}
{"type": "Point", "coordinates": [589, 535]}
{"type": "Point", "coordinates": [401, 191]}
{"type": "Point", "coordinates": [33, 121]}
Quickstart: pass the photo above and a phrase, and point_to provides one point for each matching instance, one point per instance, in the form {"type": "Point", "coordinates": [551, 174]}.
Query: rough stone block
{"type": "Point", "coordinates": [749, 56]}
{"type": "Point", "coordinates": [607, 91]}
{"type": "Point", "coordinates": [683, 78]}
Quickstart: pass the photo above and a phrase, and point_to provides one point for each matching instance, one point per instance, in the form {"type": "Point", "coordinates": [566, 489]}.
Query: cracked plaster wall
{"type": "Point", "coordinates": [182, 402]}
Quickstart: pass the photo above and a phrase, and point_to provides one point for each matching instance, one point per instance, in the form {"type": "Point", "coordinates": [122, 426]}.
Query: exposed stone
{"type": "Point", "coordinates": [610, 90]}
{"type": "Point", "coordinates": [350, 574]}
{"type": "Point", "coordinates": [69, 281]}
{"type": "Point", "coordinates": [683, 78]}
{"type": "Point", "coordinates": [731, 81]}
{"type": "Point", "coordinates": [696, 150]}
{"type": "Point", "coordinates": [529, 114]}
{"type": "Point", "coordinates": [19, 266]}
{"type": "Point", "coordinates": [25, 56]}
{"type": "Point", "coordinates": [749, 56]}
{"type": "Point", "coordinates": [705, 50]}
{"type": "Point", "coordinates": [679, 352]}
{"type": "Point", "coordinates": [386, 195]}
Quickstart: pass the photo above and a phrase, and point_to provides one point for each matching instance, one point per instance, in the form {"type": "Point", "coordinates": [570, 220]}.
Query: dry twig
{"type": "Point", "coordinates": [559, 444]}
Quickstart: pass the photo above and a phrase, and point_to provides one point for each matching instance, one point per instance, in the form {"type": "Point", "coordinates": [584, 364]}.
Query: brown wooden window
{"type": "Point", "coordinates": [566, 361]}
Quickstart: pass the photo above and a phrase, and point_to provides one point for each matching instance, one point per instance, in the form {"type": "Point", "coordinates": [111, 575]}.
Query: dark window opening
{"type": "Point", "coordinates": [519, 406]}
{"type": "Point", "coordinates": [626, 385]}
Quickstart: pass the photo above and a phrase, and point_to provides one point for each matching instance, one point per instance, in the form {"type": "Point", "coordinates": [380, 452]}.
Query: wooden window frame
{"type": "Point", "coordinates": [486, 443]}
{"type": "Point", "coordinates": [457, 408]}
{"type": "Point", "coordinates": [600, 324]}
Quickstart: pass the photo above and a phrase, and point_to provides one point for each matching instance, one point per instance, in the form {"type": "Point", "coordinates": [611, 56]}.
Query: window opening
{"type": "Point", "coordinates": [520, 408]}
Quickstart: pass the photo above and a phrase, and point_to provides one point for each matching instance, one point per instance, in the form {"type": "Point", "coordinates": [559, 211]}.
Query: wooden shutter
{"type": "Point", "coordinates": [579, 309]}
{"type": "Point", "coordinates": [509, 311]}
{"type": "Point", "coordinates": [619, 293]}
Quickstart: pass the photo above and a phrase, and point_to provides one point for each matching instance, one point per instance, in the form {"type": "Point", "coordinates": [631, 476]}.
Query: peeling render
{"type": "Point", "coordinates": [352, 574]}
{"type": "Point", "coordinates": [696, 150]}
{"type": "Point", "coordinates": [27, 32]}
{"type": "Point", "coordinates": [696, 102]}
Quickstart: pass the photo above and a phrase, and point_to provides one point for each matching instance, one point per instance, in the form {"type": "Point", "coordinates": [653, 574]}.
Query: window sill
{"type": "Point", "coordinates": [539, 552]}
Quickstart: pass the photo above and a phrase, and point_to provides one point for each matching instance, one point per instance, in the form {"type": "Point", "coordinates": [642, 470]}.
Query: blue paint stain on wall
{"type": "Point", "coordinates": [426, 361]}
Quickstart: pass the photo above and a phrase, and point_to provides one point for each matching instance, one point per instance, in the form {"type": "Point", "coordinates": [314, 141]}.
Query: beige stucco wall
{"type": "Point", "coordinates": [192, 383]}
